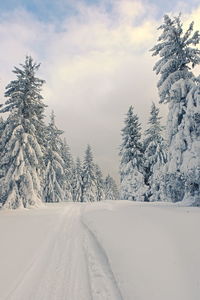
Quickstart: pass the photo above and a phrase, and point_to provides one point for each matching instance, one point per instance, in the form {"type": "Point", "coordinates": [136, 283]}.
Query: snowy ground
{"type": "Point", "coordinates": [112, 250]}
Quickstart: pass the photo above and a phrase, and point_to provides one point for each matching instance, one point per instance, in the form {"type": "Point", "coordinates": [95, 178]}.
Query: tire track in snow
{"type": "Point", "coordinates": [48, 241]}
{"type": "Point", "coordinates": [61, 271]}
{"type": "Point", "coordinates": [71, 265]}
{"type": "Point", "coordinates": [102, 280]}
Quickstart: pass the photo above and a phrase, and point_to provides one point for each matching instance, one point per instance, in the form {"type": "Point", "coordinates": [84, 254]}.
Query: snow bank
{"type": "Point", "coordinates": [153, 249]}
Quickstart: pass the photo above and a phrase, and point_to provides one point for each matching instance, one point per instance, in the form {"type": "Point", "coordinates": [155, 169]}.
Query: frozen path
{"type": "Point", "coordinates": [70, 265]}
{"type": "Point", "coordinates": [111, 250]}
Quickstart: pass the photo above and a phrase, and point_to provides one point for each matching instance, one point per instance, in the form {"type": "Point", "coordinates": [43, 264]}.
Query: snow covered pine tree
{"type": "Point", "coordinates": [99, 183]}
{"type": "Point", "coordinates": [88, 176]}
{"type": "Point", "coordinates": [131, 167]}
{"type": "Point", "coordinates": [191, 156]}
{"type": "Point", "coordinates": [155, 154]}
{"type": "Point", "coordinates": [54, 183]}
{"type": "Point", "coordinates": [68, 169]}
{"type": "Point", "coordinates": [178, 56]}
{"type": "Point", "coordinates": [21, 155]}
{"type": "Point", "coordinates": [77, 182]}
{"type": "Point", "coordinates": [111, 190]}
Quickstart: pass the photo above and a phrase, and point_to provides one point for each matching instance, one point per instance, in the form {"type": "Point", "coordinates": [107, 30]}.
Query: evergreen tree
{"type": "Point", "coordinates": [2, 125]}
{"type": "Point", "coordinates": [111, 190]}
{"type": "Point", "coordinates": [88, 176]}
{"type": "Point", "coordinates": [68, 168]}
{"type": "Point", "coordinates": [21, 155]}
{"type": "Point", "coordinates": [54, 184]}
{"type": "Point", "coordinates": [178, 55]}
{"type": "Point", "coordinates": [154, 150]}
{"type": "Point", "coordinates": [131, 167]}
{"type": "Point", "coordinates": [191, 156]}
{"type": "Point", "coordinates": [77, 183]}
{"type": "Point", "coordinates": [99, 183]}
{"type": "Point", "coordinates": [1, 132]}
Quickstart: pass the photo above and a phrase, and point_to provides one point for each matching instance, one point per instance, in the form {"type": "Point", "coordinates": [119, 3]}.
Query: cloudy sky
{"type": "Point", "coordinates": [95, 60]}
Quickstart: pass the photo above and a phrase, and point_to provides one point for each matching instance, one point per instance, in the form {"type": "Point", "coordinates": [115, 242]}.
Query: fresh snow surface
{"type": "Point", "coordinates": [111, 250]}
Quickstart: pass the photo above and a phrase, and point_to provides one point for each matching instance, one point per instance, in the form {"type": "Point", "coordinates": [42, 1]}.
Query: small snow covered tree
{"type": "Point", "coordinates": [88, 176]}
{"type": "Point", "coordinates": [54, 183]}
{"type": "Point", "coordinates": [178, 54]}
{"type": "Point", "coordinates": [131, 167]}
{"type": "Point", "coordinates": [110, 188]}
{"type": "Point", "coordinates": [99, 183]}
{"type": "Point", "coordinates": [77, 182]}
{"type": "Point", "coordinates": [154, 150]}
{"type": "Point", "coordinates": [21, 155]}
{"type": "Point", "coordinates": [68, 168]}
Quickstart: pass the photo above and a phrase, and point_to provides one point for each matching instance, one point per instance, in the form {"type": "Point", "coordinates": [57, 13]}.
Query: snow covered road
{"type": "Point", "coordinates": [59, 271]}
{"type": "Point", "coordinates": [68, 265]}
{"type": "Point", "coordinates": [114, 250]}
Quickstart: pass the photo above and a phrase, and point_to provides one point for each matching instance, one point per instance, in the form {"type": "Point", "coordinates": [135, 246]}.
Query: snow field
{"type": "Point", "coordinates": [152, 249]}
{"type": "Point", "coordinates": [111, 250]}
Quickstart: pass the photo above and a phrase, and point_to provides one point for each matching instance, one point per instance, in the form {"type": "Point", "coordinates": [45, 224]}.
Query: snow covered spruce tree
{"type": "Point", "coordinates": [88, 177]}
{"type": "Point", "coordinates": [21, 155]}
{"type": "Point", "coordinates": [131, 167]}
{"type": "Point", "coordinates": [54, 182]}
{"type": "Point", "coordinates": [191, 156]}
{"type": "Point", "coordinates": [154, 153]}
{"type": "Point", "coordinates": [68, 169]}
{"type": "Point", "coordinates": [99, 183]}
{"type": "Point", "coordinates": [110, 188]}
{"type": "Point", "coordinates": [1, 173]}
{"type": "Point", "coordinates": [178, 55]}
{"type": "Point", "coordinates": [1, 126]}
{"type": "Point", "coordinates": [77, 182]}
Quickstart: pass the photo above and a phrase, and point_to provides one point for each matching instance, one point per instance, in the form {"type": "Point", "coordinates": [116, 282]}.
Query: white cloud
{"type": "Point", "coordinates": [95, 67]}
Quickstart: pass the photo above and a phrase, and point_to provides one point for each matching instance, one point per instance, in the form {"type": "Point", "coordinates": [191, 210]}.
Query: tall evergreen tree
{"type": "Point", "coordinates": [111, 190]}
{"type": "Point", "coordinates": [68, 169]}
{"type": "Point", "coordinates": [88, 176]}
{"type": "Point", "coordinates": [2, 125]}
{"type": "Point", "coordinates": [154, 149]}
{"type": "Point", "coordinates": [77, 183]}
{"type": "Point", "coordinates": [99, 183]}
{"type": "Point", "coordinates": [21, 155]}
{"type": "Point", "coordinates": [178, 54]}
{"type": "Point", "coordinates": [1, 132]}
{"type": "Point", "coordinates": [191, 156]}
{"type": "Point", "coordinates": [54, 183]}
{"type": "Point", "coordinates": [131, 167]}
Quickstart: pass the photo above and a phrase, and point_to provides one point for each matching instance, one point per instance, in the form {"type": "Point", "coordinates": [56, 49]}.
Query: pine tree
{"type": "Point", "coordinates": [99, 183]}
{"type": "Point", "coordinates": [154, 151]}
{"type": "Point", "coordinates": [77, 182]}
{"type": "Point", "coordinates": [1, 132]}
{"type": "Point", "coordinates": [21, 155]}
{"type": "Point", "coordinates": [178, 55]}
{"type": "Point", "coordinates": [131, 167]}
{"type": "Point", "coordinates": [111, 190]}
{"type": "Point", "coordinates": [88, 176]}
{"type": "Point", "coordinates": [2, 125]}
{"type": "Point", "coordinates": [68, 168]}
{"type": "Point", "coordinates": [54, 183]}
{"type": "Point", "coordinates": [191, 156]}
